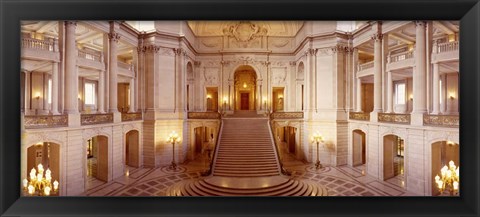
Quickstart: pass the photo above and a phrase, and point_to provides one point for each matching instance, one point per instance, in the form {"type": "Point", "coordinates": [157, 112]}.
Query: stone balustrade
{"type": "Point", "coordinates": [447, 47]}
{"type": "Point", "coordinates": [137, 116]}
{"type": "Point", "coordinates": [91, 55]}
{"type": "Point", "coordinates": [126, 66]}
{"type": "Point", "coordinates": [361, 116]}
{"type": "Point", "coordinates": [286, 115]}
{"type": "Point", "coordinates": [365, 66]}
{"type": "Point", "coordinates": [441, 120]}
{"type": "Point", "coordinates": [47, 45]}
{"type": "Point", "coordinates": [400, 56]}
{"type": "Point", "coordinates": [394, 118]}
{"type": "Point", "coordinates": [204, 115]}
{"type": "Point", "coordinates": [89, 119]}
{"type": "Point", "coordinates": [45, 121]}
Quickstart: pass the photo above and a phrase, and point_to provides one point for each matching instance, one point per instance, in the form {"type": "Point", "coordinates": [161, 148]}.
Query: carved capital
{"type": "Point", "coordinates": [293, 63]}
{"type": "Point", "coordinates": [377, 36]}
{"type": "Point", "coordinates": [311, 51]}
{"type": "Point", "coordinates": [70, 23]}
{"type": "Point", "coordinates": [152, 48]}
{"type": "Point", "coordinates": [113, 36]}
{"type": "Point", "coordinates": [340, 48]}
{"type": "Point", "coordinates": [197, 63]}
{"type": "Point", "coordinates": [141, 49]}
{"type": "Point", "coordinates": [420, 23]}
{"type": "Point", "coordinates": [180, 51]}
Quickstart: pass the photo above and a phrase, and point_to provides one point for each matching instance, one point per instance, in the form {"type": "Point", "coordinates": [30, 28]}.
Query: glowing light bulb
{"type": "Point", "coordinates": [437, 178]}
{"type": "Point", "coordinates": [47, 190]}
{"type": "Point", "coordinates": [55, 185]}
{"type": "Point", "coordinates": [25, 183]}
{"type": "Point", "coordinates": [31, 189]}
{"type": "Point", "coordinates": [455, 185]}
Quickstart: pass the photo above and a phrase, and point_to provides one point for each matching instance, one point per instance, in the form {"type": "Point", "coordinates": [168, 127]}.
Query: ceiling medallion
{"type": "Point", "coordinates": [244, 31]}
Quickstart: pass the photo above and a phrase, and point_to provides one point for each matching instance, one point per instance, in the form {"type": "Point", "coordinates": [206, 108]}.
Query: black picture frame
{"type": "Point", "coordinates": [11, 12]}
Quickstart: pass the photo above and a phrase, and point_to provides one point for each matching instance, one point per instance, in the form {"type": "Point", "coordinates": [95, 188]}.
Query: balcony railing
{"type": "Point", "coordinates": [89, 119]}
{"type": "Point", "coordinates": [48, 45]}
{"type": "Point", "coordinates": [126, 66]}
{"type": "Point", "coordinates": [447, 47]}
{"type": "Point", "coordinates": [204, 115]}
{"type": "Point", "coordinates": [361, 116]}
{"type": "Point", "coordinates": [91, 55]}
{"type": "Point", "coordinates": [400, 56]}
{"type": "Point", "coordinates": [132, 116]}
{"type": "Point", "coordinates": [287, 115]}
{"type": "Point", "coordinates": [364, 66]}
{"type": "Point", "coordinates": [441, 120]}
{"type": "Point", "coordinates": [394, 118]}
{"type": "Point", "coordinates": [45, 121]}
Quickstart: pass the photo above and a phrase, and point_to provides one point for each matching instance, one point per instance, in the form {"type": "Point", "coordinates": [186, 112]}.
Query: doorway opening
{"type": "Point", "coordinates": [97, 161]}
{"type": "Point", "coordinates": [393, 159]}
{"type": "Point", "coordinates": [245, 88]}
{"type": "Point", "coordinates": [359, 148]}
{"type": "Point", "coordinates": [278, 99]}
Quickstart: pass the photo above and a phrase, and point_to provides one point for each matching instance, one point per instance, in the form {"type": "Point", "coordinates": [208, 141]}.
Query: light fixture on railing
{"type": "Point", "coordinates": [172, 138]}
{"type": "Point", "coordinates": [39, 184]}
{"type": "Point", "coordinates": [449, 180]}
{"type": "Point", "coordinates": [317, 138]}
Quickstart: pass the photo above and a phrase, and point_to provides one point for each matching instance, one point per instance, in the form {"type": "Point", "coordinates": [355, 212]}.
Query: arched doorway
{"type": "Point", "coordinates": [132, 149]}
{"type": "Point", "coordinates": [47, 154]}
{"type": "Point", "coordinates": [97, 161]}
{"type": "Point", "coordinates": [245, 97]}
{"type": "Point", "coordinates": [358, 148]}
{"type": "Point", "coordinates": [393, 159]}
{"type": "Point", "coordinates": [442, 153]}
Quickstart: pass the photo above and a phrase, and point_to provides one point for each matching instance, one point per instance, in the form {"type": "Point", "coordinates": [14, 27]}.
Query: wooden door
{"type": "Point", "coordinates": [132, 149]}
{"type": "Point", "coordinates": [244, 101]}
{"type": "Point", "coordinates": [388, 150]}
{"type": "Point", "coordinates": [102, 159]}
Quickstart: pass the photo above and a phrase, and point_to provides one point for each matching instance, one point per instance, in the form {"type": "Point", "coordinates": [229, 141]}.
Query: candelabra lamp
{"type": "Point", "coordinates": [172, 138]}
{"type": "Point", "coordinates": [39, 184]}
{"type": "Point", "coordinates": [449, 179]}
{"type": "Point", "coordinates": [317, 138]}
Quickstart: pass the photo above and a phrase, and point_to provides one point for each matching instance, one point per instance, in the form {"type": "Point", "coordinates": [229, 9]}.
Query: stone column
{"type": "Point", "coordinates": [28, 96]}
{"type": "Point", "coordinates": [55, 87]}
{"type": "Point", "coordinates": [436, 90]}
{"type": "Point", "coordinates": [419, 77]}
{"type": "Point", "coordinates": [377, 73]}
{"type": "Point", "coordinates": [71, 76]}
{"type": "Point", "coordinates": [132, 96]}
{"type": "Point", "coordinates": [389, 92]}
{"type": "Point", "coordinates": [359, 94]}
{"type": "Point", "coordinates": [101, 92]}
{"type": "Point", "coordinates": [113, 40]}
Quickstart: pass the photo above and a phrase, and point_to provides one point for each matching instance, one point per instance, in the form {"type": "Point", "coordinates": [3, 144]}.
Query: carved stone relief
{"type": "Point", "coordinates": [279, 42]}
{"type": "Point", "coordinates": [211, 75]}
{"type": "Point", "coordinates": [278, 75]}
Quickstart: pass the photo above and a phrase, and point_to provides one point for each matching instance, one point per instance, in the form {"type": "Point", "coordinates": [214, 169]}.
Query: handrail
{"type": "Point", "coordinates": [90, 55]}
{"type": "Point", "coordinates": [48, 45]}
{"type": "Point", "coordinates": [282, 169]}
{"type": "Point", "coordinates": [126, 66]}
{"type": "Point", "coordinates": [210, 170]}
{"type": "Point", "coordinates": [447, 47]}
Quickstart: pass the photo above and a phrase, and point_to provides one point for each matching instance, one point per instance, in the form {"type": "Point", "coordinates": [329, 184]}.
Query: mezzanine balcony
{"type": "Point", "coordinates": [448, 51]}
{"type": "Point", "coordinates": [401, 60]}
{"type": "Point", "coordinates": [441, 120]}
{"type": "Point", "coordinates": [286, 115]}
{"type": "Point", "coordinates": [359, 116]}
{"type": "Point", "coordinates": [365, 69]}
{"type": "Point", "coordinates": [38, 49]}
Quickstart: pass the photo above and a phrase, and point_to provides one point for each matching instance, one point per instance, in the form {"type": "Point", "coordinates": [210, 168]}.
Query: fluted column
{"type": "Point", "coordinates": [359, 94]}
{"type": "Point", "coordinates": [71, 74]}
{"type": "Point", "coordinates": [132, 96]}
{"type": "Point", "coordinates": [377, 73]}
{"type": "Point", "coordinates": [389, 92]}
{"type": "Point", "coordinates": [101, 92]}
{"type": "Point", "coordinates": [419, 77]}
{"type": "Point", "coordinates": [436, 90]}
{"type": "Point", "coordinates": [113, 40]}
{"type": "Point", "coordinates": [55, 87]}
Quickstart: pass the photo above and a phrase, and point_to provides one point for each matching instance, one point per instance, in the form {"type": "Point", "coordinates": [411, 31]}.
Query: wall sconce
{"type": "Point", "coordinates": [411, 97]}
{"type": "Point", "coordinates": [452, 96]}
{"type": "Point", "coordinates": [37, 95]}
{"type": "Point", "coordinates": [209, 96]}
{"type": "Point", "coordinates": [79, 97]}
{"type": "Point", "coordinates": [244, 85]}
{"type": "Point", "coordinates": [225, 99]}
{"type": "Point", "coordinates": [280, 96]}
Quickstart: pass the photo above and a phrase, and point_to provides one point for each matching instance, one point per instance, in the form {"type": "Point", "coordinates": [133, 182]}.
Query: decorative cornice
{"type": "Point", "coordinates": [152, 48]}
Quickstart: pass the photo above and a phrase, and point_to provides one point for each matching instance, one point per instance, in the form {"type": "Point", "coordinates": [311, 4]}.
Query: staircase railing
{"type": "Point", "coordinates": [282, 169]}
{"type": "Point", "coordinates": [213, 160]}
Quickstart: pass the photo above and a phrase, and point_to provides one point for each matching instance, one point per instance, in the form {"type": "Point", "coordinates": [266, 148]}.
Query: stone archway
{"type": "Point", "coordinates": [245, 89]}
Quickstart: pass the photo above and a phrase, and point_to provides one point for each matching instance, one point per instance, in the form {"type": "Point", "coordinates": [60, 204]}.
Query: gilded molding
{"type": "Point", "coordinates": [361, 116]}
{"type": "Point", "coordinates": [441, 120]}
{"type": "Point", "coordinates": [394, 118]}
{"type": "Point", "coordinates": [45, 121]}
{"type": "Point", "coordinates": [132, 116]}
{"type": "Point", "coordinates": [89, 119]}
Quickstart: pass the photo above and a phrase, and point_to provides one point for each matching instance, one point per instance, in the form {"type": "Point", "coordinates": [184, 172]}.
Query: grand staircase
{"type": "Point", "coordinates": [246, 164]}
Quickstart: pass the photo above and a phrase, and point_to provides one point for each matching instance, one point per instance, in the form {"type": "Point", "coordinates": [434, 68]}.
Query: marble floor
{"type": "Point", "coordinates": [339, 181]}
